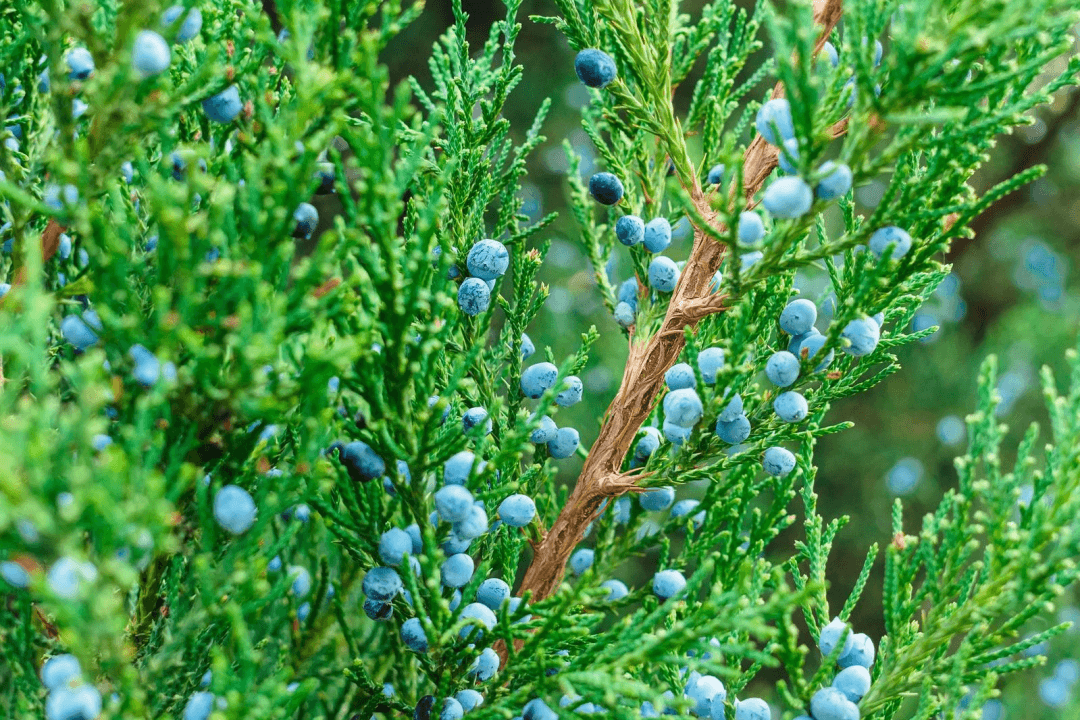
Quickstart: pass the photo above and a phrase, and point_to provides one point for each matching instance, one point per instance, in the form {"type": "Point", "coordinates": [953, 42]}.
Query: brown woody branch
{"type": "Point", "coordinates": [643, 377]}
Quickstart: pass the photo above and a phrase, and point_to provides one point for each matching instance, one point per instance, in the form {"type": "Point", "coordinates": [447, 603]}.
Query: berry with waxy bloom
{"type": "Point", "coordinates": [594, 68]}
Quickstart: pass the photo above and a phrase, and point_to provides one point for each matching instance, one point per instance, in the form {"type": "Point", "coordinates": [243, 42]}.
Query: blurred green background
{"type": "Point", "coordinates": [1012, 293]}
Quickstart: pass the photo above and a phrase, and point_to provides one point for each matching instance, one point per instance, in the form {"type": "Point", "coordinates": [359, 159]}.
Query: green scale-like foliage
{"type": "Point", "coordinates": [251, 326]}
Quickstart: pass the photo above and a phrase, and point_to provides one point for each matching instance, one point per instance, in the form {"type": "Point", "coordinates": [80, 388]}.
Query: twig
{"type": "Point", "coordinates": [643, 378]}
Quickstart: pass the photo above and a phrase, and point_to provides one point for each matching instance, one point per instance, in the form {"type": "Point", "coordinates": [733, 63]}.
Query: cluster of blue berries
{"type": "Point", "coordinates": [69, 697]}
{"type": "Point", "coordinates": [706, 693]}
{"type": "Point", "coordinates": [791, 196]}
{"type": "Point", "coordinates": [467, 519]}
{"type": "Point", "coordinates": [487, 261]}
{"type": "Point", "coordinates": [840, 700]}
{"type": "Point", "coordinates": [151, 55]}
{"type": "Point", "coordinates": [535, 381]}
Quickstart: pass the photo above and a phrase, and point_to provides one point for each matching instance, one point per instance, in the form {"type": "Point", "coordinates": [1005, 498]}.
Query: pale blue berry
{"type": "Point", "coordinates": [716, 174]}
{"type": "Point", "coordinates": [748, 260]}
{"type": "Point", "coordinates": [14, 574]}
{"type": "Point", "coordinates": [493, 592]}
{"type": "Point", "coordinates": [59, 671]}
{"type": "Point", "coordinates": [791, 407]}
{"type": "Point", "coordinates": [630, 230]}
{"type": "Point", "coordinates": [413, 635]}
{"type": "Point", "coordinates": [223, 107]}
{"type": "Point", "coordinates": [624, 314]}
{"type": "Point", "coordinates": [775, 116]}
{"type": "Point", "coordinates": [657, 235]}
{"type": "Point", "coordinates": [862, 335]}
{"type": "Point", "coordinates": [581, 560]}
{"type": "Point", "coordinates": [628, 292]}
{"type": "Point", "coordinates": [734, 431]}
{"type": "Point", "coordinates": [457, 570]}
{"type": "Point", "coordinates": [798, 317]}
{"type": "Point", "coordinates": [474, 525]}
{"type": "Point", "coordinates": [617, 589]}
{"type": "Point", "coordinates": [476, 417]}
{"type": "Point", "coordinates": [782, 368]}
{"type": "Point", "coordinates": [303, 612]}
{"type": "Point", "coordinates": [732, 410]}
{"type": "Point", "coordinates": [710, 361]}
{"type": "Point", "coordinates": [788, 198]}
{"type": "Point", "coordinates": [545, 433]}
{"type": "Point", "coordinates": [668, 583]}
{"type": "Point", "coordinates": [413, 531]}
{"type": "Point", "coordinates": [394, 544]}
{"type": "Point", "coordinates": [657, 499]}
{"type": "Point", "coordinates": [812, 346]}
{"type": "Point", "coordinates": [663, 274]}
{"type": "Point", "coordinates": [234, 509]}
{"type": "Point", "coordinates": [382, 584]}
{"type": "Point", "coordinates": [150, 54]}
{"type": "Point", "coordinates": [676, 434]}
{"type": "Point", "coordinates": [648, 444]}
{"type": "Point", "coordinates": [301, 580]}
{"type": "Point", "coordinates": [527, 347]}
{"type": "Point", "coordinates": [788, 157]}
{"type": "Point", "coordinates": [565, 443]}
{"type": "Point", "coordinates": [752, 709]}
{"type": "Point", "coordinates": [778, 461]}
{"type": "Point", "coordinates": [830, 636]}
{"type": "Point", "coordinates": [451, 710]}
{"type": "Point", "coordinates": [571, 393]}
{"type": "Point", "coordinates": [452, 502]}
{"type": "Point", "coordinates": [751, 228]}
{"type": "Point", "coordinates": [861, 652]}
{"type": "Point", "coordinates": [683, 407]}
{"type": "Point", "coordinates": [454, 544]}
{"type": "Point", "coordinates": [488, 259]}
{"type": "Point", "coordinates": [829, 51]}
{"type": "Point", "coordinates": [680, 376]}
{"type": "Point", "coordinates": [77, 330]}
{"type": "Point", "coordinates": [836, 181]}
{"type": "Point", "coordinates": [80, 63]}
{"type": "Point", "coordinates": [831, 704]}
{"type": "Point", "coordinates": [199, 706]}
{"type": "Point", "coordinates": [485, 666]}
{"type": "Point", "coordinates": [457, 469]}
{"type": "Point", "coordinates": [538, 378]}
{"type": "Point", "coordinates": [890, 235]}
{"type": "Point", "coordinates": [470, 699]}
{"type": "Point", "coordinates": [594, 68]}
{"type": "Point", "coordinates": [474, 296]}
{"type": "Point", "coordinates": [147, 368]}
{"type": "Point", "coordinates": [853, 681]}
{"type": "Point", "coordinates": [189, 29]}
{"type": "Point", "coordinates": [480, 612]}
{"type": "Point", "coordinates": [605, 188]}
{"type": "Point", "coordinates": [306, 218]}
{"type": "Point", "coordinates": [621, 513]}
{"type": "Point", "coordinates": [703, 691]}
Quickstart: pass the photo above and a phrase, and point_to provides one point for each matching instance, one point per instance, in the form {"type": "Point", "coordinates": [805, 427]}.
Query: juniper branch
{"type": "Point", "coordinates": [643, 378]}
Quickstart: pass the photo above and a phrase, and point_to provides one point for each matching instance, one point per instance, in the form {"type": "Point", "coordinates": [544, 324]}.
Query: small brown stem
{"type": "Point", "coordinates": [643, 377]}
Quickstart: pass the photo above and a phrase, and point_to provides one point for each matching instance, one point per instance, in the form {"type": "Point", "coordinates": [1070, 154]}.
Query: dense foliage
{"type": "Point", "coordinates": [266, 461]}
